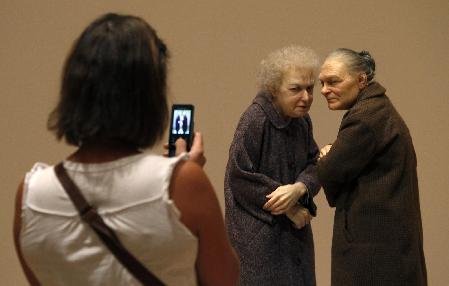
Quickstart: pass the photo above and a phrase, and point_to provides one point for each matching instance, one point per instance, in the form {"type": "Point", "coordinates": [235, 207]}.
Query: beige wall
{"type": "Point", "coordinates": [216, 47]}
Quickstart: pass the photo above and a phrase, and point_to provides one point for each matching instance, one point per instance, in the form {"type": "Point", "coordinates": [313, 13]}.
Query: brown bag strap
{"type": "Point", "coordinates": [90, 216]}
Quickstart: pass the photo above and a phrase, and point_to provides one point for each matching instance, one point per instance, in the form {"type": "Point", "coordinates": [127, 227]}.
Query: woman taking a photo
{"type": "Point", "coordinates": [164, 211]}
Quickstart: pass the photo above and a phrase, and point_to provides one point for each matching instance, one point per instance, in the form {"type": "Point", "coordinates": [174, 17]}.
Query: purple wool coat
{"type": "Point", "coordinates": [268, 151]}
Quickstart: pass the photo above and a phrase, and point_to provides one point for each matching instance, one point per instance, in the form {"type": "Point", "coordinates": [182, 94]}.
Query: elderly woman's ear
{"type": "Point", "coordinates": [362, 80]}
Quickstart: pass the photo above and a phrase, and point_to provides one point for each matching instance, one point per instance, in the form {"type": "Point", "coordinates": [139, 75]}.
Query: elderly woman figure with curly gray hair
{"type": "Point", "coordinates": [271, 175]}
{"type": "Point", "coordinates": [369, 175]}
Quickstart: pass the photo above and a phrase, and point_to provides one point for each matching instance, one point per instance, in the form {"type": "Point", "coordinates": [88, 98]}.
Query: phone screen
{"type": "Point", "coordinates": [181, 125]}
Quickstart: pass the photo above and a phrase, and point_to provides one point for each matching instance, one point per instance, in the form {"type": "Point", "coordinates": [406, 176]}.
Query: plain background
{"type": "Point", "coordinates": [216, 47]}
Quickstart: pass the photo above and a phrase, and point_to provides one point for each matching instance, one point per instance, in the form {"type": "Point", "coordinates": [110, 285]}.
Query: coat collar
{"type": "Point", "coordinates": [264, 99]}
{"type": "Point", "coordinates": [374, 89]}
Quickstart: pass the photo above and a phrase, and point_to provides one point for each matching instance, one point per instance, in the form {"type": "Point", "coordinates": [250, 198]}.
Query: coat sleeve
{"type": "Point", "coordinates": [353, 149]}
{"type": "Point", "coordinates": [309, 175]}
{"type": "Point", "coordinates": [249, 188]}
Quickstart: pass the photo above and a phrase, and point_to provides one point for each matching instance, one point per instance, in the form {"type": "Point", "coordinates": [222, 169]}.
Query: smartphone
{"type": "Point", "coordinates": [181, 125]}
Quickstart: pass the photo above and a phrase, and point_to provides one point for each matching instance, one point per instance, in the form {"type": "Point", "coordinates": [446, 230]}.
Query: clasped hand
{"type": "Point", "coordinates": [324, 151]}
{"type": "Point", "coordinates": [299, 215]}
{"type": "Point", "coordinates": [284, 197]}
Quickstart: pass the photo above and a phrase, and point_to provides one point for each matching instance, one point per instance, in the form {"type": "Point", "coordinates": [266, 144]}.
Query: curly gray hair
{"type": "Point", "coordinates": [269, 76]}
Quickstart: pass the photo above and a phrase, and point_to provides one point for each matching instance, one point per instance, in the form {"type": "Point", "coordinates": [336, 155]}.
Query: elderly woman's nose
{"type": "Point", "coordinates": [324, 90]}
{"type": "Point", "coordinates": [306, 94]}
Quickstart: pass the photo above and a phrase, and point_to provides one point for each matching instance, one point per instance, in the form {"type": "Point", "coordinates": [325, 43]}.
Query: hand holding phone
{"type": "Point", "coordinates": [181, 126]}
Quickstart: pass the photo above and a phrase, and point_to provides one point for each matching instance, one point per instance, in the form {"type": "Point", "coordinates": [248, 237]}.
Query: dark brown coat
{"type": "Point", "coordinates": [369, 175]}
{"type": "Point", "coordinates": [267, 152]}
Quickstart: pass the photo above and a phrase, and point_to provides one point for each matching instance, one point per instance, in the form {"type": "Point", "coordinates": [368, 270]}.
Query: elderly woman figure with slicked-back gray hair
{"type": "Point", "coordinates": [369, 175]}
{"type": "Point", "coordinates": [271, 175]}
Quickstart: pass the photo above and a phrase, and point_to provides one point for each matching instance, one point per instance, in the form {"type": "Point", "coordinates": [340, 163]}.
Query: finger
{"type": "Point", "coordinates": [198, 144]}
{"type": "Point", "coordinates": [274, 194]}
{"type": "Point", "coordinates": [271, 200]}
{"type": "Point", "coordinates": [181, 146]}
{"type": "Point", "coordinates": [268, 204]}
{"type": "Point", "coordinates": [197, 150]}
{"type": "Point", "coordinates": [280, 208]}
{"type": "Point", "coordinates": [276, 204]}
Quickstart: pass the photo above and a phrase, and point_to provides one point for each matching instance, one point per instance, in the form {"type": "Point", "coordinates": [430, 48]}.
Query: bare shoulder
{"type": "Point", "coordinates": [17, 225]}
{"type": "Point", "coordinates": [189, 175]}
{"type": "Point", "coordinates": [18, 206]}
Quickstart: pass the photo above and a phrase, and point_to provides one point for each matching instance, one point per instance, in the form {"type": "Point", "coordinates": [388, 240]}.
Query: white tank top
{"type": "Point", "coordinates": [131, 194]}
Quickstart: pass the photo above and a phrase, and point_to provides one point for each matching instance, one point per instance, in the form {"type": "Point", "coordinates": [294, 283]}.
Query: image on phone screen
{"type": "Point", "coordinates": [181, 125]}
{"type": "Point", "coordinates": [181, 122]}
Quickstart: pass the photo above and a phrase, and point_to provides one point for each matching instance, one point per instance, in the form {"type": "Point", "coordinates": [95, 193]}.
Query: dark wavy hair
{"type": "Point", "coordinates": [113, 85]}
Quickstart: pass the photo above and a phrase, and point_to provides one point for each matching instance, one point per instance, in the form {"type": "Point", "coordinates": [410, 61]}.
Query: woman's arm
{"type": "Point", "coordinates": [351, 152]}
{"type": "Point", "coordinates": [217, 264]}
{"type": "Point", "coordinates": [16, 231]}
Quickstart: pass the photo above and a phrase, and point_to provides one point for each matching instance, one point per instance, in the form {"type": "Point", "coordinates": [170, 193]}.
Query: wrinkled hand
{"type": "Point", "coordinates": [325, 150]}
{"type": "Point", "coordinates": [284, 197]}
{"type": "Point", "coordinates": [196, 153]}
{"type": "Point", "coordinates": [299, 215]}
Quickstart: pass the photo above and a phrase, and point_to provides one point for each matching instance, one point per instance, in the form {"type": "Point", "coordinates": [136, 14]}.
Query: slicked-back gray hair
{"type": "Point", "coordinates": [271, 69]}
{"type": "Point", "coordinates": [356, 62]}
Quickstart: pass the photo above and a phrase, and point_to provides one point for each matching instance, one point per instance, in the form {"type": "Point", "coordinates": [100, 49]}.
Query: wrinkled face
{"type": "Point", "coordinates": [339, 87]}
{"type": "Point", "coordinates": [295, 94]}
